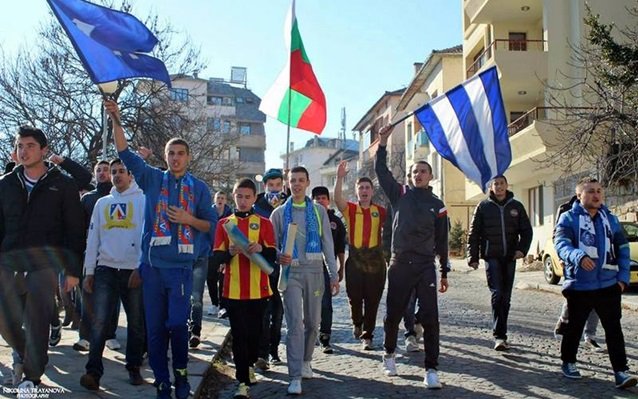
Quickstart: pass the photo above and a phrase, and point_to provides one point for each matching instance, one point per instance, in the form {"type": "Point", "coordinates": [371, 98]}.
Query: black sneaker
{"type": "Point", "coordinates": [163, 391]}
{"type": "Point", "coordinates": [90, 382]}
{"type": "Point", "coordinates": [182, 387]}
{"type": "Point", "coordinates": [134, 376]}
{"type": "Point", "coordinates": [275, 360]}
{"type": "Point", "coordinates": [326, 348]}
{"type": "Point", "coordinates": [194, 341]}
{"type": "Point", "coordinates": [356, 332]}
{"type": "Point", "coordinates": [593, 345]}
{"type": "Point", "coordinates": [56, 335]}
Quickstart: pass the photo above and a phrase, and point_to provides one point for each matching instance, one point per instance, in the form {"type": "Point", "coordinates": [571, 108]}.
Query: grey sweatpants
{"type": "Point", "coordinates": [302, 308]}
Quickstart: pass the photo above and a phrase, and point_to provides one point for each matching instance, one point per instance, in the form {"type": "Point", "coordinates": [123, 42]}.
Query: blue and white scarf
{"type": "Point", "coordinates": [313, 230]}
{"type": "Point", "coordinates": [587, 239]}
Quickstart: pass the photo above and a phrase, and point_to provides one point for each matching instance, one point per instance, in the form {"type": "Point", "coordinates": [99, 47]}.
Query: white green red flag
{"type": "Point", "coordinates": [296, 98]}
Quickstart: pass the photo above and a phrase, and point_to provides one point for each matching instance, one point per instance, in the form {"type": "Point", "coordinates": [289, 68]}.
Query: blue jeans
{"type": "Point", "coordinates": [111, 285]}
{"type": "Point", "coordinates": [500, 280]}
{"type": "Point", "coordinates": [200, 273]}
{"type": "Point", "coordinates": [326, 309]}
{"type": "Point", "coordinates": [167, 293]}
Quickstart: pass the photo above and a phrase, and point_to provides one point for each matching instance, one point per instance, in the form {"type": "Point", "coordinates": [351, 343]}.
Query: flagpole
{"type": "Point", "coordinates": [288, 132]}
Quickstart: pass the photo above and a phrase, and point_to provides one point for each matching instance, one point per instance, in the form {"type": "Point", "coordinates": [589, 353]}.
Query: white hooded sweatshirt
{"type": "Point", "coordinates": [115, 232]}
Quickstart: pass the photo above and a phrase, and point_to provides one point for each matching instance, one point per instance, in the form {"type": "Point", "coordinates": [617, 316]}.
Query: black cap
{"type": "Point", "coordinates": [320, 190]}
{"type": "Point", "coordinates": [273, 174]}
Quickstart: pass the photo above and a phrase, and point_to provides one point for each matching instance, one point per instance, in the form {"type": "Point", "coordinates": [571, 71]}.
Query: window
{"type": "Point", "coordinates": [251, 155]}
{"type": "Point", "coordinates": [227, 101]}
{"type": "Point", "coordinates": [213, 124]}
{"type": "Point", "coordinates": [535, 198]}
{"type": "Point", "coordinates": [214, 100]}
{"type": "Point", "coordinates": [244, 129]}
{"type": "Point", "coordinates": [180, 95]}
{"type": "Point", "coordinates": [225, 127]}
{"type": "Point", "coordinates": [239, 100]}
{"type": "Point", "coordinates": [518, 41]}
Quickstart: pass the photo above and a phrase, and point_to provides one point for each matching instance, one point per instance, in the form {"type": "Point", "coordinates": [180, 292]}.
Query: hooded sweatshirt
{"type": "Point", "coordinates": [115, 231]}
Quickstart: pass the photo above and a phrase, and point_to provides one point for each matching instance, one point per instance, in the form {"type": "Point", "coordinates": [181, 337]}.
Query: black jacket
{"type": "Point", "coordinates": [419, 221]}
{"type": "Point", "coordinates": [45, 229]}
{"type": "Point", "coordinates": [338, 232]}
{"type": "Point", "coordinates": [499, 229]}
{"type": "Point", "coordinates": [90, 199]}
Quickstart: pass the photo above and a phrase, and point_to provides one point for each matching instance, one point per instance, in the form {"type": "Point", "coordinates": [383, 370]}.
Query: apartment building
{"type": "Point", "coordinates": [232, 114]}
{"type": "Point", "coordinates": [532, 43]}
{"type": "Point", "coordinates": [318, 156]}
{"type": "Point", "coordinates": [382, 113]}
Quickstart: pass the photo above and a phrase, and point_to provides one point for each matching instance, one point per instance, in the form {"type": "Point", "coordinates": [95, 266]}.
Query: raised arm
{"type": "Point", "coordinates": [342, 171]}
{"type": "Point", "coordinates": [390, 186]}
{"type": "Point", "coordinates": [118, 132]}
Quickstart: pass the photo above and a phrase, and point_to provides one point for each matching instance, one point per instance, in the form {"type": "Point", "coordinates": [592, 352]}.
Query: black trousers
{"type": "Point", "coordinates": [245, 318]}
{"type": "Point", "coordinates": [365, 280]}
{"type": "Point", "coordinates": [606, 302]}
{"type": "Point", "coordinates": [402, 278]}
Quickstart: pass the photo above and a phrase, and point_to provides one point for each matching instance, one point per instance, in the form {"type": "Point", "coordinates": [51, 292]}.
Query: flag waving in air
{"type": "Point", "coordinates": [468, 127]}
{"type": "Point", "coordinates": [111, 44]}
{"type": "Point", "coordinates": [296, 98]}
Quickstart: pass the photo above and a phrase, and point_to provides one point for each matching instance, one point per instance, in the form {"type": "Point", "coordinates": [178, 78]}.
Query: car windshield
{"type": "Point", "coordinates": [631, 231]}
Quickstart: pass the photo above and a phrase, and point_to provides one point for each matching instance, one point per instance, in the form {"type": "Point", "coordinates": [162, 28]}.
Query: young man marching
{"type": "Point", "coordinates": [178, 210]}
{"type": "Point", "coordinates": [302, 298]}
{"type": "Point", "coordinates": [419, 235]}
{"type": "Point", "coordinates": [365, 267]}
{"type": "Point", "coordinates": [246, 286]}
{"type": "Point", "coordinates": [113, 244]}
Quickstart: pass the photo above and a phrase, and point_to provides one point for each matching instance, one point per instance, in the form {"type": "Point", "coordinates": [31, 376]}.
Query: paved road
{"type": "Point", "coordinates": [469, 367]}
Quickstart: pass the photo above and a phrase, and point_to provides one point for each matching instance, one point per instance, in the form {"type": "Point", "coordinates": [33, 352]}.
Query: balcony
{"type": "Point", "coordinates": [504, 49]}
{"type": "Point", "coordinates": [546, 113]}
{"type": "Point", "coordinates": [490, 11]}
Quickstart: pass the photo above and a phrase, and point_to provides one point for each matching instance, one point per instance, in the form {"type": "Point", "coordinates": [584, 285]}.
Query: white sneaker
{"type": "Point", "coordinates": [113, 344]}
{"type": "Point", "coordinates": [26, 389]}
{"type": "Point", "coordinates": [366, 344]}
{"type": "Point", "coordinates": [418, 330]}
{"type": "Point", "coordinates": [306, 370]}
{"type": "Point", "coordinates": [501, 345]}
{"type": "Point", "coordinates": [411, 345]}
{"type": "Point", "coordinates": [389, 365]}
{"type": "Point", "coordinates": [431, 380]}
{"type": "Point", "coordinates": [16, 373]}
{"type": "Point", "coordinates": [82, 345]}
{"type": "Point", "coordinates": [294, 388]}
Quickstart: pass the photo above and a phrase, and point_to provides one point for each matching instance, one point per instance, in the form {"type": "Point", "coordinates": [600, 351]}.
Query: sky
{"type": "Point", "coordinates": [358, 48]}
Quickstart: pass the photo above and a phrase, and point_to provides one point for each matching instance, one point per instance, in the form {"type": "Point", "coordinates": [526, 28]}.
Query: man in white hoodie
{"type": "Point", "coordinates": [111, 272]}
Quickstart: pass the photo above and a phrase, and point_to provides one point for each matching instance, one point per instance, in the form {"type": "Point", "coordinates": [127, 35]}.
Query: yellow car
{"type": "Point", "coordinates": [554, 271]}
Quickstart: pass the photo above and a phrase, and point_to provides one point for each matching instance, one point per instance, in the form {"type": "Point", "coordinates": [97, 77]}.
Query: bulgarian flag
{"type": "Point", "coordinates": [296, 98]}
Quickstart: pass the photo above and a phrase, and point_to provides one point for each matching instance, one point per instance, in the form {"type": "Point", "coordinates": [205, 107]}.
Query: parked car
{"type": "Point", "coordinates": [554, 271]}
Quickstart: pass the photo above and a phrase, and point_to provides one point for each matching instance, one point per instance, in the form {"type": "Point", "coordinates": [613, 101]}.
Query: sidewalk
{"type": "Point", "coordinates": [536, 281]}
{"type": "Point", "coordinates": [66, 365]}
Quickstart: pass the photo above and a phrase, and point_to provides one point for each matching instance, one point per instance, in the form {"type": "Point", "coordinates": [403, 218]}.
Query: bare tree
{"type": "Point", "coordinates": [600, 133]}
{"type": "Point", "coordinates": [46, 86]}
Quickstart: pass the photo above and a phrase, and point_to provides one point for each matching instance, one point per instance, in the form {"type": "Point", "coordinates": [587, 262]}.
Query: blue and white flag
{"type": "Point", "coordinates": [111, 44]}
{"type": "Point", "coordinates": [468, 127]}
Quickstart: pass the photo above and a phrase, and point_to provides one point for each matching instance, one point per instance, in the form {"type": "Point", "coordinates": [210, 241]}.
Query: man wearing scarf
{"type": "Point", "coordinates": [591, 242]}
{"type": "Point", "coordinates": [178, 210]}
{"type": "Point", "coordinates": [302, 297]}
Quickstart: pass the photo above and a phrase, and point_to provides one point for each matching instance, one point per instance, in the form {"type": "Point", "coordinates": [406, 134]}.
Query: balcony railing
{"type": "Point", "coordinates": [503, 45]}
{"type": "Point", "coordinates": [545, 113]}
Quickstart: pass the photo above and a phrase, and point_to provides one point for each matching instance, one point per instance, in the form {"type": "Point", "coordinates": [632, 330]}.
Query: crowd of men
{"type": "Point", "coordinates": [155, 237]}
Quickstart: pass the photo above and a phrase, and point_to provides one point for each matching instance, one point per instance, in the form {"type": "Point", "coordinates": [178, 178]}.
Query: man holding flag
{"type": "Point", "coordinates": [178, 210]}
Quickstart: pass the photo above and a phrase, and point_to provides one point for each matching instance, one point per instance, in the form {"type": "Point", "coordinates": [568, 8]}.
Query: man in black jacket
{"type": "Point", "coordinates": [419, 235]}
{"type": "Point", "coordinates": [500, 234]}
{"type": "Point", "coordinates": [41, 232]}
